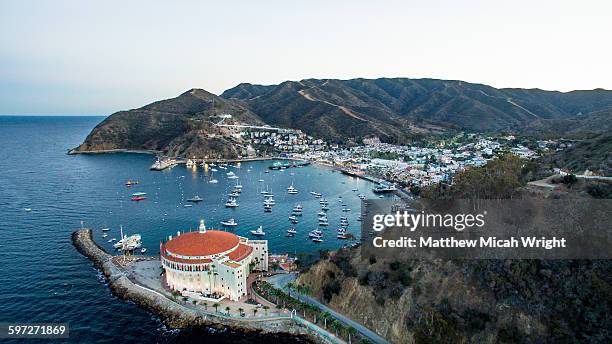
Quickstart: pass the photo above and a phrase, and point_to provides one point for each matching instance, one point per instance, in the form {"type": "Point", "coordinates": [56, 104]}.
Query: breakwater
{"type": "Point", "coordinates": [179, 316]}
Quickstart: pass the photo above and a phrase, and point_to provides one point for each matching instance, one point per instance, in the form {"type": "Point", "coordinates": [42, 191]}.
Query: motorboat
{"type": "Point", "coordinates": [190, 163]}
{"type": "Point", "coordinates": [131, 182]}
{"type": "Point", "coordinates": [231, 203]}
{"type": "Point", "coordinates": [105, 229]}
{"type": "Point", "coordinates": [294, 221]}
{"type": "Point", "coordinates": [324, 207]}
{"type": "Point", "coordinates": [195, 199]}
{"type": "Point", "coordinates": [234, 194]}
{"type": "Point", "coordinates": [258, 232]}
{"type": "Point", "coordinates": [346, 209]}
{"type": "Point", "coordinates": [317, 240]}
{"type": "Point", "coordinates": [138, 196]}
{"type": "Point", "coordinates": [291, 230]}
{"type": "Point", "coordinates": [315, 233]}
{"type": "Point", "coordinates": [325, 224]}
{"type": "Point", "coordinates": [292, 217]}
{"type": "Point", "coordinates": [384, 188]}
{"type": "Point", "coordinates": [188, 205]}
{"type": "Point", "coordinates": [322, 213]}
{"type": "Point", "coordinates": [229, 223]}
{"type": "Point", "coordinates": [361, 196]}
{"type": "Point", "coordinates": [104, 235]}
{"type": "Point", "coordinates": [143, 250]}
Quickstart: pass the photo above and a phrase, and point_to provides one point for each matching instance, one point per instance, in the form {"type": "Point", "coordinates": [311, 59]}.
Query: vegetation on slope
{"type": "Point", "coordinates": [451, 301]}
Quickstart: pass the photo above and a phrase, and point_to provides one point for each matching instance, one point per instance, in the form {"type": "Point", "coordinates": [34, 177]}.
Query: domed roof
{"type": "Point", "coordinates": [202, 244]}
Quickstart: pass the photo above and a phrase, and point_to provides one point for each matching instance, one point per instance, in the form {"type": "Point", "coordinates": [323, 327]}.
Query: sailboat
{"type": "Point", "coordinates": [291, 190]}
{"type": "Point", "coordinates": [258, 232]}
{"type": "Point", "coordinates": [212, 180]}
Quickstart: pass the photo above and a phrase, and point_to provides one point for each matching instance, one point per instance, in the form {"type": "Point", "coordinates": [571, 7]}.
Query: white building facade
{"type": "Point", "coordinates": [211, 263]}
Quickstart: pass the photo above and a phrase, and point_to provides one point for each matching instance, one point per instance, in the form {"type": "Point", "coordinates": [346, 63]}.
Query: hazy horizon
{"type": "Point", "coordinates": [76, 58]}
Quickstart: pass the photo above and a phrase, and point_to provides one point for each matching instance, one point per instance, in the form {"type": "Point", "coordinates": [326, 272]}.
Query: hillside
{"type": "Point", "coordinates": [471, 301]}
{"type": "Point", "coordinates": [177, 126]}
{"type": "Point", "coordinates": [594, 154]}
{"type": "Point", "coordinates": [345, 111]}
{"type": "Point", "coordinates": [397, 108]}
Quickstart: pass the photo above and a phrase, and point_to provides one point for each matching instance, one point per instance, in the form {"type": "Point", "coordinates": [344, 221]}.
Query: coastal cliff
{"type": "Point", "coordinates": [175, 315]}
{"type": "Point", "coordinates": [181, 126]}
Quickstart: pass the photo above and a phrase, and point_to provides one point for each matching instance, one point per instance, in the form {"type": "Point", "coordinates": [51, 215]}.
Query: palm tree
{"type": "Point", "coordinates": [266, 309]}
{"type": "Point", "coordinates": [290, 285]}
{"type": "Point", "coordinates": [326, 316]}
{"type": "Point", "coordinates": [254, 311]}
{"type": "Point", "coordinates": [351, 331]}
{"type": "Point", "coordinates": [205, 305]}
{"type": "Point", "coordinates": [240, 310]}
{"type": "Point", "coordinates": [227, 309]}
{"type": "Point", "coordinates": [335, 325]}
{"type": "Point", "coordinates": [216, 305]}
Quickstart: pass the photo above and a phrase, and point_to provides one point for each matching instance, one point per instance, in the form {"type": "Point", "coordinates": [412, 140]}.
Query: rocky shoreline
{"type": "Point", "coordinates": [172, 313]}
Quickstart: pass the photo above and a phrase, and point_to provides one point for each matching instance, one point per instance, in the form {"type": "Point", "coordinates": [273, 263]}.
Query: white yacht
{"type": "Point", "coordinates": [128, 243]}
{"type": "Point", "coordinates": [231, 203]}
{"type": "Point", "coordinates": [291, 190]}
{"type": "Point", "coordinates": [291, 230]}
{"type": "Point", "coordinates": [229, 223]}
{"type": "Point", "coordinates": [315, 233]}
{"type": "Point", "coordinates": [190, 163]}
{"type": "Point", "coordinates": [259, 231]}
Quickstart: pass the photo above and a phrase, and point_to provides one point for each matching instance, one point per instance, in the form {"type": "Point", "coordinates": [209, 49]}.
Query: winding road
{"type": "Point", "coordinates": [280, 281]}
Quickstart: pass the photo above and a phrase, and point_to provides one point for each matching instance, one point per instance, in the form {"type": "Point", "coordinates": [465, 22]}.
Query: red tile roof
{"type": "Point", "coordinates": [240, 253]}
{"type": "Point", "coordinates": [202, 244]}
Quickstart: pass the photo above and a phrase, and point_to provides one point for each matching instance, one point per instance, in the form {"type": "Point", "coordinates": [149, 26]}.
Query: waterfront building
{"type": "Point", "coordinates": [211, 264]}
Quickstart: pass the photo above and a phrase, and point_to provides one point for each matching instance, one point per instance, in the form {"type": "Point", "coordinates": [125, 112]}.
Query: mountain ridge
{"type": "Point", "coordinates": [397, 110]}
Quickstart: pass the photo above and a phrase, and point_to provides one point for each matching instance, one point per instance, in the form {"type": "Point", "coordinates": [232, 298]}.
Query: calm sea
{"type": "Point", "coordinates": [44, 279]}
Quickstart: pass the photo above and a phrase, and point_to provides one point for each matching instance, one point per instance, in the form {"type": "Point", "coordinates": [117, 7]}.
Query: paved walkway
{"type": "Point", "coordinates": [281, 281]}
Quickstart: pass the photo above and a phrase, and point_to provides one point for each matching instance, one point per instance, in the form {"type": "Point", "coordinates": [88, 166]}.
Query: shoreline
{"type": "Point", "coordinates": [172, 313]}
{"type": "Point", "coordinates": [74, 151]}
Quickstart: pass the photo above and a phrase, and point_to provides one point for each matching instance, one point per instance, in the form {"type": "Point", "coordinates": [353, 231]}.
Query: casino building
{"type": "Point", "coordinates": [211, 264]}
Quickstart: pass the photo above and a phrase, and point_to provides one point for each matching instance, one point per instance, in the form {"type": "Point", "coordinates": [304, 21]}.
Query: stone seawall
{"type": "Point", "coordinates": [172, 313]}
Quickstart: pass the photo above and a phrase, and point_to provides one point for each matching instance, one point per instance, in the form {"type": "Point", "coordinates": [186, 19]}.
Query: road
{"type": "Point", "coordinates": [281, 281]}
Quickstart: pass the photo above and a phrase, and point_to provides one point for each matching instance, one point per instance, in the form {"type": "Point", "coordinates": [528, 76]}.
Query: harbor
{"type": "Point", "coordinates": [136, 278]}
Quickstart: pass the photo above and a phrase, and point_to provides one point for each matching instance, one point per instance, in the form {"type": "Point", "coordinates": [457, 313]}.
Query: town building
{"type": "Point", "coordinates": [211, 264]}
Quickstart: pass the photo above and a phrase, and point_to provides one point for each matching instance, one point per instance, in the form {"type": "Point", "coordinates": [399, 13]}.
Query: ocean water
{"type": "Point", "coordinates": [44, 279]}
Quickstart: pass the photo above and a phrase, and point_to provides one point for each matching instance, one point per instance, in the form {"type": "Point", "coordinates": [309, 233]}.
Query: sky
{"type": "Point", "coordinates": [84, 57]}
